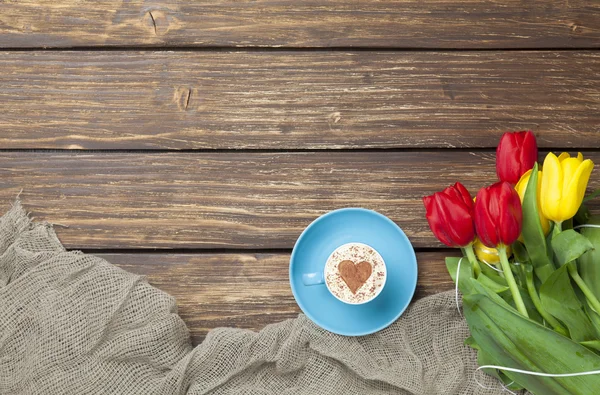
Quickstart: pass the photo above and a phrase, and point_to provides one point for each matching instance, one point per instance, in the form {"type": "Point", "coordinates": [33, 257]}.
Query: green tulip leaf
{"type": "Point", "coordinates": [514, 341]}
{"type": "Point", "coordinates": [466, 283]}
{"type": "Point", "coordinates": [488, 271]}
{"type": "Point", "coordinates": [594, 318]}
{"type": "Point", "coordinates": [593, 344]}
{"type": "Point", "coordinates": [592, 195]}
{"type": "Point", "coordinates": [548, 319]}
{"type": "Point", "coordinates": [582, 216]}
{"type": "Point", "coordinates": [518, 274]}
{"type": "Point", "coordinates": [469, 341]}
{"type": "Point", "coordinates": [569, 245]}
{"type": "Point", "coordinates": [497, 287]}
{"type": "Point", "coordinates": [465, 274]}
{"type": "Point", "coordinates": [533, 235]}
{"type": "Point", "coordinates": [485, 359]}
{"type": "Point", "coordinates": [588, 263]}
{"type": "Point", "coordinates": [559, 299]}
{"type": "Point", "coordinates": [504, 300]}
{"type": "Point", "coordinates": [520, 252]}
{"type": "Point", "coordinates": [510, 383]}
{"type": "Point", "coordinates": [493, 275]}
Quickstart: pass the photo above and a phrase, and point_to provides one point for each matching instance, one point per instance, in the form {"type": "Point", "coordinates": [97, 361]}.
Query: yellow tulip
{"type": "Point", "coordinates": [564, 180]}
{"type": "Point", "coordinates": [522, 186]}
{"type": "Point", "coordinates": [487, 254]}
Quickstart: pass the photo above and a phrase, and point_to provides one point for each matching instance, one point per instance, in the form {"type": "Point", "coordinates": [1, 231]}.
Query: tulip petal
{"type": "Point", "coordinates": [433, 218]}
{"type": "Point", "coordinates": [552, 180]}
{"type": "Point", "coordinates": [516, 153]}
{"type": "Point", "coordinates": [507, 152]}
{"type": "Point", "coordinates": [453, 193]}
{"type": "Point", "coordinates": [485, 225]}
{"type": "Point", "coordinates": [522, 184]}
{"type": "Point", "coordinates": [573, 194]}
{"type": "Point", "coordinates": [442, 227]}
{"type": "Point", "coordinates": [543, 220]}
{"type": "Point", "coordinates": [464, 194]}
{"type": "Point", "coordinates": [511, 214]}
{"type": "Point", "coordinates": [455, 217]}
{"type": "Point", "coordinates": [450, 216]}
{"type": "Point", "coordinates": [427, 200]}
{"type": "Point", "coordinates": [569, 167]}
{"type": "Point", "coordinates": [563, 156]}
{"type": "Point", "coordinates": [529, 151]}
{"type": "Point", "coordinates": [486, 254]}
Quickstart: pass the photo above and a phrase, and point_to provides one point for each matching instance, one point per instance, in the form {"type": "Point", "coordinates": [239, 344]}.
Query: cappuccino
{"type": "Point", "coordinates": [355, 273]}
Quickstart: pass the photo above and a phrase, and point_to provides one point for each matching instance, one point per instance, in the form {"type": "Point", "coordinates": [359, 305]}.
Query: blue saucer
{"type": "Point", "coordinates": [343, 226]}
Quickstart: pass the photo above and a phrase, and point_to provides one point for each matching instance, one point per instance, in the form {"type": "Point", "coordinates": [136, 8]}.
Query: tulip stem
{"type": "Point", "coordinates": [538, 305]}
{"type": "Point", "coordinates": [594, 303]}
{"type": "Point", "coordinates": [557, 229]}
{"type": "Point", "coordinates": [510, 279]}
{"type": "Point", "coordinates": [473, 259]}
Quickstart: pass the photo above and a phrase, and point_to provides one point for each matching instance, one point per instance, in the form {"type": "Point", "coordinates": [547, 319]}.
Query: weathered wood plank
{"type": "Point", "coordinates": [229, 200]}
{"type": "Point", "coordinates": [187, 100]}
{"type": "Point", "coordinates": [331, 23]}
{"type": "Point", "coordinates": [242, 290]}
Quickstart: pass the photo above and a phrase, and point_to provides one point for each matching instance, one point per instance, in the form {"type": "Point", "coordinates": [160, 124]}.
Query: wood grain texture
{"type": "Point", "coordinates": [243, 290]}
{"type": "Point", "coordinates": [305, 100]}
{"type": "Point", "coordinates": [314, 23]}
{"type": "Point", "coordinates": [230, 200]}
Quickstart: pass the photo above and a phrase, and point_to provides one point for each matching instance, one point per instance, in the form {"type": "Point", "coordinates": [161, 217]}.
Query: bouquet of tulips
{"type": "Point", "coordinates": [530, 271]}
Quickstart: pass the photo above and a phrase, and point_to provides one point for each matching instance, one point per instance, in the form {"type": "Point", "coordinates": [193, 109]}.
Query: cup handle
{"type": "Point", "coordinates": [313, 278]}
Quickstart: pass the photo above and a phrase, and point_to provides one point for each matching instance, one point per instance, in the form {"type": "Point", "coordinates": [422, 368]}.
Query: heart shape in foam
{"type": "Point", "coordinates": [355, 275]}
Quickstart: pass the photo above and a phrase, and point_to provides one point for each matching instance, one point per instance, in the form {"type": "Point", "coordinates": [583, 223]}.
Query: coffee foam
{"type": "Point", "coordinates": [355, 252]}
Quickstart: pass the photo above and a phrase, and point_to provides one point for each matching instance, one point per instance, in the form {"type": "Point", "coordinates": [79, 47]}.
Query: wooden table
{"type": "Point", "coordinates": [193, 141]}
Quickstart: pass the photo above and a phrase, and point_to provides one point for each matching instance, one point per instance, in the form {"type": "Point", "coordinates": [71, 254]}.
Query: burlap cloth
{"type": "Point", "coordinates": [72, 323]}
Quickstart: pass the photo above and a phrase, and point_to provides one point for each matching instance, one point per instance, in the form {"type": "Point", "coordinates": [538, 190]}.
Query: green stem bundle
{"type": "Point", "coordinates": [472, 259]}
{"type": "Point", "coordinates": [593, 301]}
{"type": "Point", "coordinates": [538, 305]}
{"type": "Point", "coordinates": [510, 279]}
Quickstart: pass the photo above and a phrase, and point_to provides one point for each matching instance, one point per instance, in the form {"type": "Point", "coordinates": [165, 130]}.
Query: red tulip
{"type": "Point", "coordinates": [516, 153]}
{"type": "Point", "coordinates": [498, 214]}
{"type": "Point", "coordinates": [450, 215]}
